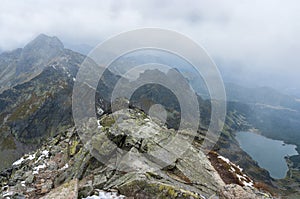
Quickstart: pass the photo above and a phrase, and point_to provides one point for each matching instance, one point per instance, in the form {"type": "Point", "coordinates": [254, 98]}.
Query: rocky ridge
{"type": "Point", "coordinates": [65, 168]}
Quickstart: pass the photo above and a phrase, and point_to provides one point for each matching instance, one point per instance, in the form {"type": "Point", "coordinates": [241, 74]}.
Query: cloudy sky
{"type": "Point", "coordinates": [258, 40]}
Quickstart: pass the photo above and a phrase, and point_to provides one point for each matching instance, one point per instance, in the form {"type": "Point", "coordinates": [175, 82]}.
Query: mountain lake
{"type": "Point", "coordinates": [268, 153]}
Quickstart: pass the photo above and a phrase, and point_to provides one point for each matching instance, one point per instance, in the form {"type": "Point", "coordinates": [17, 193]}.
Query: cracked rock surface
{"type": "Point", "coordinates": [139, 163]}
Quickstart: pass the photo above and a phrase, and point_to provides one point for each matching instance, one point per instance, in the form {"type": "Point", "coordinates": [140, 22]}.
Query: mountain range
{"type": "Point", "coordinates": [36, 84]}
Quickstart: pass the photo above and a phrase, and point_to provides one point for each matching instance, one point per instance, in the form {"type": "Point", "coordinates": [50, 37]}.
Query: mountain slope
{"type": "Point", "coordinates": [64, 164]}
{"type": "Point", "coordinates": [22, 65]}
{"type": "Point", "coordinates": [38, 105]}
{"type": "Point", "coordinates": [37, 97]}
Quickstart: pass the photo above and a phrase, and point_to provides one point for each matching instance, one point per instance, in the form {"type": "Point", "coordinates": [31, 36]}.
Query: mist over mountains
{"type": "Point", "coordinates": [36, 105]}
{"type": "Point", "coordinates": [148, 127]}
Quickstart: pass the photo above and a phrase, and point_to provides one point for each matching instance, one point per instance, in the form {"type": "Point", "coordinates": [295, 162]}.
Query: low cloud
{"type": "Point", "coordinates": [259, 40]}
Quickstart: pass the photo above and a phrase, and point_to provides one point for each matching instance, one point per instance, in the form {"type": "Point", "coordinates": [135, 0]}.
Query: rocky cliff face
{"type": "Point", "coordinates": [65, 168]}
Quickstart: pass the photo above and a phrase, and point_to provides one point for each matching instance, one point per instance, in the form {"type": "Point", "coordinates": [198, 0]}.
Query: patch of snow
{"type": "Point", "coordinates": [65, 166]}
{"type": "Point", "coordinates": [106, 195]}
{"type": "Point", "coordinates": [22, 159]}
{"type": "Point", "coordinates": [224, 159]}
{"type": "Point", "coordinates": [36, 169]}
{"type": "Point", "coordinates": [23, 184]}
{"type": "Point", "coordinates": [248, 184]}
{"type": "Point", "coordinates": [244, 180]}
{"type": "Point", "coordinates": [74, 79]}
{"type": "Point", "coordinates": [45, 153]}
{"type": "Point", "coordinates": [203, 197]}
{"type": "Point", "coordinates": [31, 157]}
{"type": "Point", "coordinates": [99, 125]}
{"type": "Point", "coordinates": [18, 161]}
{"type": "Point", "coordinates": [232, 169]}
{"type": "Point", "coordinates": [230, 163]}
{"type": "Point", "coordinates": [7, 194]}
{"type": "Point", "coordinates": [6, 187]}
{"type": "Point", "coordinates": [239, 168]}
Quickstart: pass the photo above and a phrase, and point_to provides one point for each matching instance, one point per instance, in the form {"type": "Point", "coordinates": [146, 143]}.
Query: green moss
{"type": "Point", "coordinates": [107, 121]}
{"type": "Point", "coordinates": [153, 175]}
{"type": "Point", "coordinates": [73, 147]}
{"type": "Point", "coordinates": [171, 192]}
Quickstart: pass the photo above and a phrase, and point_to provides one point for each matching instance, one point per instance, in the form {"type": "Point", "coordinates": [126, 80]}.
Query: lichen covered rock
{"type": "Point", "coordinates": [138, 163]}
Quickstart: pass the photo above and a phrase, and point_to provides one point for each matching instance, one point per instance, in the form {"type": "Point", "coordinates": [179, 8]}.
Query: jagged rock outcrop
{"type": "Point", "coordinates": [65, 164]}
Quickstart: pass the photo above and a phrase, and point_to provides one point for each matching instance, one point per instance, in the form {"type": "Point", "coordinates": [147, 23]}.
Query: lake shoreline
{"type": "Point", "coordinates": [267, 152]}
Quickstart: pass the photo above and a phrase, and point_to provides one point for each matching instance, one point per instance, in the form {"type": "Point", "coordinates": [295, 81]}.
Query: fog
{"type": "Point", "coordinates": [254, 43]}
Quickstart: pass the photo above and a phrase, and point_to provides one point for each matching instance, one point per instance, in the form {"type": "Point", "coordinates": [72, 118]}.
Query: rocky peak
{"type": "Point", "coordinates": [38, 53]}
{"type": "Point", "coordinates": [44, 41]}
{"type": "Point", "coordinates": [22, 65]}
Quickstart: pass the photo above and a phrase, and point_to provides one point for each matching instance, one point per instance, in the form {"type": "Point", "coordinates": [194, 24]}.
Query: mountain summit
{"type": "Point", "coordinates": [21, 65]}
{"type": "Point", "coordinates": [43, 41]}
{"type": "Point", "coordinates": [35, 94]}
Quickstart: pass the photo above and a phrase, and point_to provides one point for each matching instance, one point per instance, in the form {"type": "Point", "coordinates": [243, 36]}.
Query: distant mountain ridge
{"type": "Point", "coordinates": [261, 95]}
{"type": "Point", "coordinates": [23, 64]}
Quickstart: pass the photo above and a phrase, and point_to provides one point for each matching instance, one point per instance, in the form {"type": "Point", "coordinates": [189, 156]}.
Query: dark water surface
{"type": "Point", "coordinates": [268, 153]}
